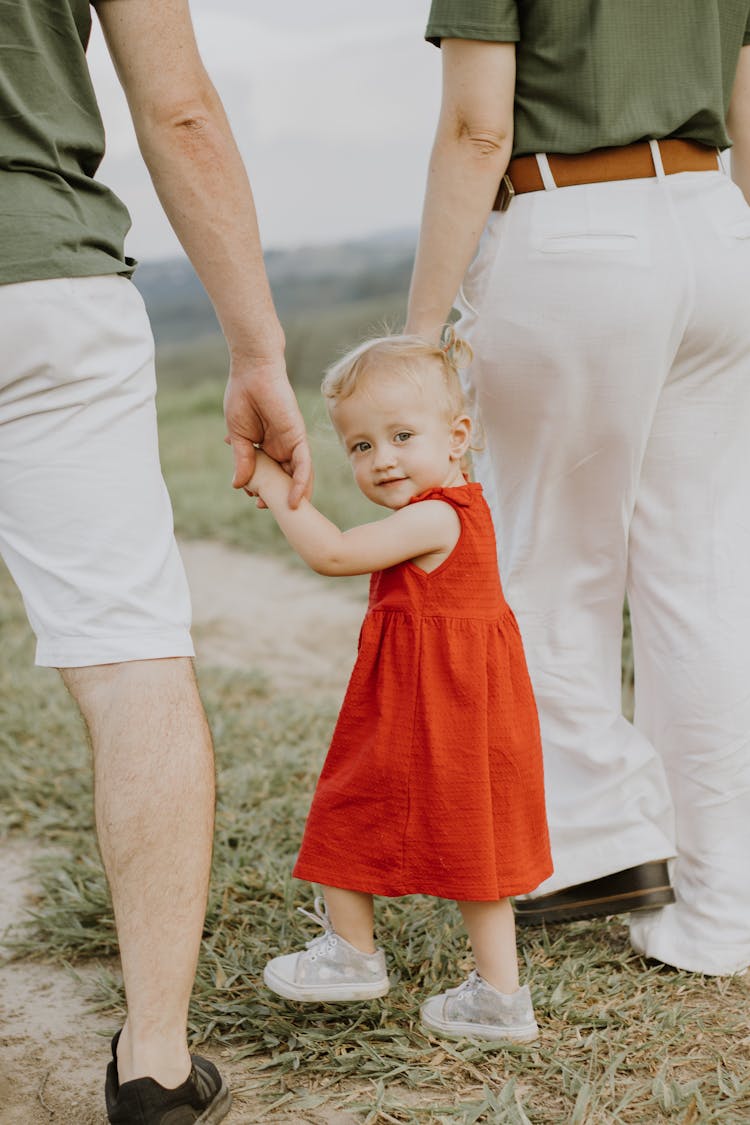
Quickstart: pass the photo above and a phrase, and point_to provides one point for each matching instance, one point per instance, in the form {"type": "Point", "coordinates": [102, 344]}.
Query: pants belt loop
{"type": "Point", "coordinates": [545, 172]}
{"type": "Point", "coordinates": [656, 157]}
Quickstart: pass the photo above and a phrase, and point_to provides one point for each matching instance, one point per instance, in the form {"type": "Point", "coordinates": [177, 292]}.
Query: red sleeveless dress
{"type": "Point", "coordinates": [433, 781]}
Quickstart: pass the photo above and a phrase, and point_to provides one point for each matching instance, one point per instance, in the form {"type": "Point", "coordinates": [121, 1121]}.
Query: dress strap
{"type": "Point", "coordinates": [460, 496]}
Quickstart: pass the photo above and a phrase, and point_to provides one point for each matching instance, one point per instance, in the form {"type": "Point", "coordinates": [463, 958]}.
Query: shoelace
{"type": "Point", "coordinates": [472, 982]}
{"type": "Point", "coordinates": [319, 914]}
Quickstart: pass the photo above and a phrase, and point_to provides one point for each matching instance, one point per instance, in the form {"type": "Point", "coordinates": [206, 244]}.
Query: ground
{"type": "Point", "coordinates": [248, 611]}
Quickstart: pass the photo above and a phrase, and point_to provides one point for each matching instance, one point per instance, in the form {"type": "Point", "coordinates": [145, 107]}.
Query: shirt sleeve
{"type": "Point", "coordinates": [494, 21]}
{"type": "Point", "coordinates": [746, 40]}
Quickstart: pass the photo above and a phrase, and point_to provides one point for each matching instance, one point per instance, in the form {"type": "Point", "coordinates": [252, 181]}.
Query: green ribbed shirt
{"type": "Point", "coordinates": [56, 220]}
{"type": "Point", "coordinates": [593, 73]}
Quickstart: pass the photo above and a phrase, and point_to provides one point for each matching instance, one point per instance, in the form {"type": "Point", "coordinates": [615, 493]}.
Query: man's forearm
{"type": "Point", "coordinates": [188, 146]}
{"type": "Point", "coordinates": [202, 184]}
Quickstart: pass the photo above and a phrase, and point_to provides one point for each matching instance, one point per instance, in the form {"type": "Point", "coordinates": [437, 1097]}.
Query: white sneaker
{"type": "Point", "coordinates": [476, 1010]}
{"type": "Point", "coordinates": [328, 969]}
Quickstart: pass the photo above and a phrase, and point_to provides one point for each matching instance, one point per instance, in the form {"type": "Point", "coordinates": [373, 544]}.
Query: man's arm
{"type": "Point", "coordinates": [738, 123]}
{"type": "Point", "coordinates": [201, 182]}
{"type": "Point", "coordinates": [469, 157]}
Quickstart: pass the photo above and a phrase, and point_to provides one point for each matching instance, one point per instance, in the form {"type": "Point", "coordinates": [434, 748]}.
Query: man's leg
{"type": "Point", "coordinates": [154, 795]}
{"type": "Point", "coordinates": [86, 531]}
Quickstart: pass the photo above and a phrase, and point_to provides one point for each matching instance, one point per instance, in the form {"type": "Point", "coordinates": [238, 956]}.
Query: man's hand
{"type": "Point", "coordinates": [260, 409]}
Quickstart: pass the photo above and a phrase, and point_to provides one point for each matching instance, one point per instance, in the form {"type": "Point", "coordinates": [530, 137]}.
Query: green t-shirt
{"type": "Point", "coordinates": [55, 219]}
{"type": "Point", "coordinates": [592, 73]}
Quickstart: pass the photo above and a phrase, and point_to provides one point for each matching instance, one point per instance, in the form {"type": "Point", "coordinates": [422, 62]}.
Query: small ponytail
{"type": "Point", "coordinates": [457, 351]}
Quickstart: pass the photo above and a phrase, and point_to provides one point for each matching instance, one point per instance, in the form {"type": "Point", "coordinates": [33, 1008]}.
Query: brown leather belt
{"type": "Point", "coordinates": [626, 162]}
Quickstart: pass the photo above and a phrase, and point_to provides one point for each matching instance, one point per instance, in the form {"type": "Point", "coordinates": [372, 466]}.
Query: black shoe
{"type": "Point", "coordinates": [203, 1097]}
{"type": "Point", "coordinates": [645, 887]}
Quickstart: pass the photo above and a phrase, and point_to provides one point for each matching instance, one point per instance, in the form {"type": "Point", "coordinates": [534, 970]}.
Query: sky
{"type": "Point", "coordinates": [333, 103]}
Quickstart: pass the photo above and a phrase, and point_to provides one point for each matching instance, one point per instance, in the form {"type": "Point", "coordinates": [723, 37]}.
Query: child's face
{"type": "Point", "coordinates": [399, 438]}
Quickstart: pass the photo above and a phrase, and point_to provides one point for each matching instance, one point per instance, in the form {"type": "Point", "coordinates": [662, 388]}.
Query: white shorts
{"type": "Point", "coordinates": [85, 520]}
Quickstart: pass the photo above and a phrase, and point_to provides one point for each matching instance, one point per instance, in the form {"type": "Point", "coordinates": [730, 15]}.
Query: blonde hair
{"type": "Point", "coordinates": [405, 354]}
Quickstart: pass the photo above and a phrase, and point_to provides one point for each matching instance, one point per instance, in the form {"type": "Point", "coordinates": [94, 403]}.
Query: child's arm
{"type": "Point", "coordinates": [431, 527]}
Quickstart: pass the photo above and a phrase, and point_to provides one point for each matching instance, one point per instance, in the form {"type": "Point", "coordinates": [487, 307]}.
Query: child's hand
{"type": "Point", "coordinates": [259, 503]}
{"type": "Point", "coordinates": [253, 486]}
{"type": "Point", "coordinates": [265, 472]}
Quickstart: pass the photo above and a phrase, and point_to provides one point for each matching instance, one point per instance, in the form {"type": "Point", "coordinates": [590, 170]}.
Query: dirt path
{"type": "Point", "coordinates": [251, 612]}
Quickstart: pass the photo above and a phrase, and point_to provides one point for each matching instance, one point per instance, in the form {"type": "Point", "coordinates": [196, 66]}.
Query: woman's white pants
{"type": "Point", "coordinates": [610, 325]}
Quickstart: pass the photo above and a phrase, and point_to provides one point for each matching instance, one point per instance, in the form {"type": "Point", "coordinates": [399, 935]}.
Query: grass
{"type": "Point", "coordinates": [622, 1042]}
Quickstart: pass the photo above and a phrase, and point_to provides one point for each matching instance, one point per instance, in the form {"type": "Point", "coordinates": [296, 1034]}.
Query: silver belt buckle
{"type": "Point", "coordinates": [505, 193]}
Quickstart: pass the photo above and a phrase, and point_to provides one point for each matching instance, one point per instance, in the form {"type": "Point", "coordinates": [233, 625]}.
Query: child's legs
{"type": "Point", "coordinates": [490, 925]}
{"type": "Point", "coordinates": [351, 915]}
{"type": "Point", "coordinates": [492, 933]}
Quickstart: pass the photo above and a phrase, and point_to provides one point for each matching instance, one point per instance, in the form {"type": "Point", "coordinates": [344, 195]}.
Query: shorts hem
{"type": "Point", "coordinates": [84, 652]}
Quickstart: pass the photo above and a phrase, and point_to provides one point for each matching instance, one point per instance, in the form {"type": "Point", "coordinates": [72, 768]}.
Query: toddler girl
{"type": "Point", "coordinates": [433, 780]}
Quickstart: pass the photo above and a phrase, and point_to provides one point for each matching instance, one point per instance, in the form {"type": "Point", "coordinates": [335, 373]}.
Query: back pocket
{"type": "Point", "coordinates": [587, 243]}
{"type": "Point", "coordinates": [741, 230]}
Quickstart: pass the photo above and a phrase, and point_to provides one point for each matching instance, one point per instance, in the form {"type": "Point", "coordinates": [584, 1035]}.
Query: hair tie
{"type": "Point", "coordinates": [448, 343]}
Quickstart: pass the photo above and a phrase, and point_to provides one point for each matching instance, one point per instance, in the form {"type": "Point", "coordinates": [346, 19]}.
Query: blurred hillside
{"type": "Point", "coordinates": [328, 298]}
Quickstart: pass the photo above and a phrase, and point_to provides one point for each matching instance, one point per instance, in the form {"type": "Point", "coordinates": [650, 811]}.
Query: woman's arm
{"type": "Point", "coordinates": [431, 527]}
{"type": "Point", "coordinates": [738, 123]}
{"type": "Point", "coordinates": [471, 152]}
